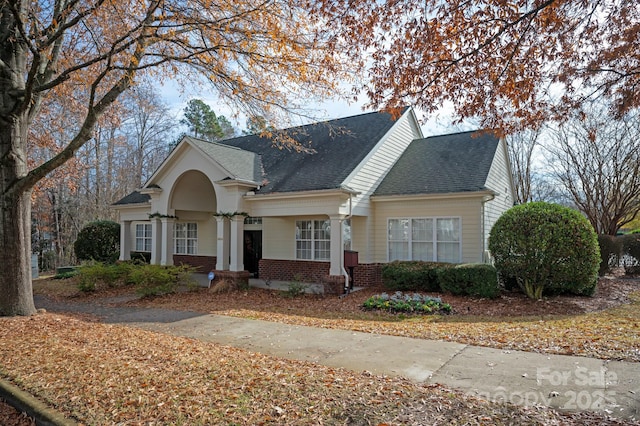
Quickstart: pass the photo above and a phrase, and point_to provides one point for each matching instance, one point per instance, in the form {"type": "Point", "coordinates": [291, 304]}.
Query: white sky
{"type": "Point", "coordinates": [439, 123]}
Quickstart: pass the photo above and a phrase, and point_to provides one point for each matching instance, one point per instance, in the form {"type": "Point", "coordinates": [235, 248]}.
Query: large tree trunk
{"type": "Point", "coordinates": [16, 295]}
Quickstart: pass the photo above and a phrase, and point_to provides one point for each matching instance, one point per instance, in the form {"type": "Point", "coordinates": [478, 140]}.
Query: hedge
{"type": "Point", "coordinates": [477, 280]}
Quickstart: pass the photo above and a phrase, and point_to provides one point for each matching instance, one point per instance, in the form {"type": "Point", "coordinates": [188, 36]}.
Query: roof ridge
{"type": "Point", "coordinates": [308, 125]}
{"type": "Point", "coordinates": [224, 145]}
{"type": "Point", "coordinates": [459, 133]}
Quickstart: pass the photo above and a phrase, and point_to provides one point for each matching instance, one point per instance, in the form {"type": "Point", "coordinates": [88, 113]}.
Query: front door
{"type": "Point", "coordinates": [252, 251]}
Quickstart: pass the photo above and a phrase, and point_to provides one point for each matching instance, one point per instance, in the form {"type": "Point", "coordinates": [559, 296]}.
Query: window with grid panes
{"type": "Point", "coordinates": [143, 237]}
{"type": "Point", "coordinates": [428, 239]}
{"type": "Point", "coordinates": [185, 237]}
{"type": "Point", "coordinates": [313, 239]}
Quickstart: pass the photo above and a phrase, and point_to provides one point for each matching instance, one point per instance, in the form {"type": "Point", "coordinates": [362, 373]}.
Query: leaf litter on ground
{"type": "Point", "coordinates": [606, 326]}
{"type": "Point", "coordinates": [103, 374]}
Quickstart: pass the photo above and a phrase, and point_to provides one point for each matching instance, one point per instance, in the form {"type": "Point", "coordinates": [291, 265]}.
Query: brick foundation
{"type": "Point", "coordinates": [290, 270]}
{"type": "Point", "coordinates": [333, 284]}
{"type": "Point", "coordinates": [237, 277]}
{"type": "Point", "coordinates": [364, 275]}
{"type": "Point", "coordinates": [203, 264]}
{"type": "Point", "coordinates": [367, 275]}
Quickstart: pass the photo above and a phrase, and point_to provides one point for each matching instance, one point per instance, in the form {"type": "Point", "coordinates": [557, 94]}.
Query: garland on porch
{"type": "Point", "coordinates": [160, 216]}
{"type": "Point", "coordinates": [229, 215]}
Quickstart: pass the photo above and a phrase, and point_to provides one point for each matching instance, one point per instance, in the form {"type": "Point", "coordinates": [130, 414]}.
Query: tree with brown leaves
{"type": "Point", "coordinates": [509, 64]}
{"type": "Point", "coordinates": [257, 56]}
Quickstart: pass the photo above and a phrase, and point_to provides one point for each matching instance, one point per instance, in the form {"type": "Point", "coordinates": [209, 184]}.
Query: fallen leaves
{"type": "Point", "coordinates": [605, 326]}
{"type": "Point", "coordinates": [9, 416]}
{"type": "Point", "coordinates": [104, 374]}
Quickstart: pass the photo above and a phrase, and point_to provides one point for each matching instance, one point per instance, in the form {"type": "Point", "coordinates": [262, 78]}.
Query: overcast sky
{"type": "Point", "coordinates": [437, 124]}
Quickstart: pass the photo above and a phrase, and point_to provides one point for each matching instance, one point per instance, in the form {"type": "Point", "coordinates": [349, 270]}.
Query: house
{"type": "Point", "coordinates": [370, 186]}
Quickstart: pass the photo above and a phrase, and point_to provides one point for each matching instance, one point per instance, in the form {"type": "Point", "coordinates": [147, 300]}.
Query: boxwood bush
{"type": "Point", "coordinates": [412, 275]}
{"type": "Point", "coordinates": [477, 280]}
{"type": "Point", "coordinates": [548, 248]}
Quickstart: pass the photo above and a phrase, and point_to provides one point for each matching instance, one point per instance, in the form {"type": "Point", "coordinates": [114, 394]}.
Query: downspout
{"type": "Point", "coordinates": [484, 217]}
{"type": "Point", "coordinates": [344, 270]}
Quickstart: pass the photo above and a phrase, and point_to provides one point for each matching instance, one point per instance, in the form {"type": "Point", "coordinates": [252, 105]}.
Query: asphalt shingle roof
{"type": "Point", "coordinates": [458, 162]}
{"type": "Point", "coordinates": [241, 164]}
{"type": "Point", "coordinates": [338, 147]}
{"type": "Point", "coordinates": [332, 150]}
{"type": "Point", "coordinates": [134, 198]}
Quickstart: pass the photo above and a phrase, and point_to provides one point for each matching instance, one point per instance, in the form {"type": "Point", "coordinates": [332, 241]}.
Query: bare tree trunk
{"type": "Point", "coordinates": [16, 294]}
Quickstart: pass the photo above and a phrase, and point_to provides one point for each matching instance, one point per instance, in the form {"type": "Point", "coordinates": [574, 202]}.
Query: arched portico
{"type": "Point", "coordinates": [182, 220]}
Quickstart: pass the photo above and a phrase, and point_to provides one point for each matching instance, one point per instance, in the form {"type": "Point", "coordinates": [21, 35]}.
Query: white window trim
{"type": "Point", "coordinates": [435, 234]}
{"type": "Point", "coordinates": [185, 238]}
{"type": "Point", "coordinates": [143, 238]}
{"type": "Point", "coordinates": [312, 240]}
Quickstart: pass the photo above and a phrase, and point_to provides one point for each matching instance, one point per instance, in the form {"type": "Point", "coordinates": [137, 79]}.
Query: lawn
{"type": "Point", "coordinates": [105, 374]}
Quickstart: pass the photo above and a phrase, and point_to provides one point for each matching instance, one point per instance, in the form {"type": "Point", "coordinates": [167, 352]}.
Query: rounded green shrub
{"type": "Point", "coordinates": [99, 241]}
{"type": "Point", "coordinates": [547, 248]}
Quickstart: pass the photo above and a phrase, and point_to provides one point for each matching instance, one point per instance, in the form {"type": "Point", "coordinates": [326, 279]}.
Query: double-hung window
{"type": "Point", "coordinates": [143, 237]}
{"type": "Point", "coordinates": [185, 236]}
{"type": "Point", "coordinates": [313, 239]}
{"type": "Point", "coordinates": [428, 239]}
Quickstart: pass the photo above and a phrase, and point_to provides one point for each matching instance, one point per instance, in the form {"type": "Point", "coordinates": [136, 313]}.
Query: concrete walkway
{"type": "Point", "coordinates": [524, 378]}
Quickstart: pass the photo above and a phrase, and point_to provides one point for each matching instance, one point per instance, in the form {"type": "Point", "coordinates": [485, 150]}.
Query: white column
{"type": "Point", "coordinates": [222, 244]}
{"type": "Point", "coordinates": [166, 252]}
{"type": "Point", "coordinates": [336, 246]}
{"type": "Point", "coordinates": [156, 241]}
{"type": "Point", "coordinates": [125, 240]}
{"type": "Point", "coordinates": [237, 243]}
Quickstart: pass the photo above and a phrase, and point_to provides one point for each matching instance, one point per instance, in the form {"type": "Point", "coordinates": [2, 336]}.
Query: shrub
{"type": "Point", "coordinates": [154, 280]}
{"type": "Point", "coordinates": [149, 280]}
{"type": "Point", "coordinates": [99, 275]}
{"type": "Point", "coordinates": [478, 280]}
{"type": "Point", "coordinates": [295, 287]}
{"type": "Point", "coordinates": [400, 302]}
{"type": "Point", "coordinates": [610, 252]}
{"type": "Point", "coordinates": [548, 248]}
{"type": "Point", "coordinates": [65, 275]}
{"type": "Point", "coordinates": [99, 241]}
{"type": "Point", "coordinates": [412, 275]}
{"type": "Point", "coordinates": [631, 253]}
